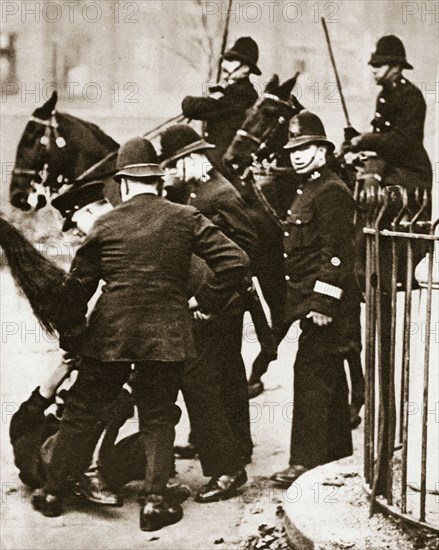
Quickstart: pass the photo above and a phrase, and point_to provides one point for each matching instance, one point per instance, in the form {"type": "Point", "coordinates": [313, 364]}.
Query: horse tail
{"type": "Point", "coordinates": [35, 275]}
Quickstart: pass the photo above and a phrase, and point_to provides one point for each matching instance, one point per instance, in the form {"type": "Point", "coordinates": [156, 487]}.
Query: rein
{"type": "Point", "coordinates": [271, 128]}
{"type": "Point", "coordinates": [51, 126]}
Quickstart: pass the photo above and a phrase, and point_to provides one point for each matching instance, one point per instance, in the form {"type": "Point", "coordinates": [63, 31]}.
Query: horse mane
{"type": "Point", "coordinates": [35, 275]}
{"type": "Point", "coordinates": [108, 142]}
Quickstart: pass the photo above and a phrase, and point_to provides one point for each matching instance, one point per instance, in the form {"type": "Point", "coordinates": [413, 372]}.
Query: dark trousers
{"type": "Point", "coordinates": [321, 429]}
{"type": "Point", "coordinates": [215, 393]}
{"type": "Point", "coordinates": [155, 391]}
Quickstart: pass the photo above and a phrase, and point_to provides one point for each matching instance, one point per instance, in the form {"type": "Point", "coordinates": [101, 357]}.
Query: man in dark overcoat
{"type": "Point", "coordinates": [219, 367]}
{"type": "Point", "coordinates": [142, 251]}
{"type": "Point", "coordinates": [224, 109]}
{"type": "Point", "coordinates": [322, 294]}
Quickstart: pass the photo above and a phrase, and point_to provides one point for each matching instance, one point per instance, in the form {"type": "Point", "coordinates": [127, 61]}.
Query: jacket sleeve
{"type": "Point", "coordinates": [235, 100]}
{"type": "Point", "coordinates": [79, 286]}
{"type": "Point", "coordinates": [405, 131]}
{"type": "Point", "coordinates": [335, 211]}
{"type": "Point", "coordinates": [231, 218]}
{"type": "Point", "coordinates": [229, 265]}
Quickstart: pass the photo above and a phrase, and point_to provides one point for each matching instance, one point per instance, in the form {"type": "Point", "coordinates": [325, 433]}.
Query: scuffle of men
{"type": "Point", "coordinates": [178, 268]}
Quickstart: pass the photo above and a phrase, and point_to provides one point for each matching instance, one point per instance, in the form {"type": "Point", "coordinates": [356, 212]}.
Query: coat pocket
{"type": "Point", "coordinates": [301, 230]}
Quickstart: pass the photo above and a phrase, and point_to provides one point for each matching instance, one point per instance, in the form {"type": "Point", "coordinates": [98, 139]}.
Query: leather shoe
{"type": "Point", "coordinates": [289, 475]}
{"type": "Point", "coordinates": [255, 389]}
{"type": "Point", "coordinates": [93, 488]}
{"type": "Point", "coordinates": [49, 505]}
{"type": "Point", "coordinates": [157, 512]}
{"type": "Point", "coordinates": [185, 452]}
{"type": "Point", "coordinates": [221, 487]}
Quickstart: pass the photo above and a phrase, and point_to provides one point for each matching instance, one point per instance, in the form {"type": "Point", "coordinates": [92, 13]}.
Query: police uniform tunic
{"type": "Point", "coordinates": [398, 133]}
{"type": "Point", "coordinates": [319, 259]}
{"type": "Point", "coordinates": [223, 116]}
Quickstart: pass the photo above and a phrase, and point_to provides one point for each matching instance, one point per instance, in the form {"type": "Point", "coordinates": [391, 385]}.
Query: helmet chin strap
{"type": "Point", "coordinates": [383, 80]}
{"type": "Point", "coordinates": [317, 161]}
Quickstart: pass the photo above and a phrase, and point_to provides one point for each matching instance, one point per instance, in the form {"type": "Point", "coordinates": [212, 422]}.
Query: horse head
{"type": "Point", "coordinates": [265, 129]}
{"type": "Point", "coordinates": [54, 150]}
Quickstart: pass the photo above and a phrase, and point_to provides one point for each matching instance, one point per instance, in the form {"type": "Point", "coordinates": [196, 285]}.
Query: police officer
{"type": "Point", "coordinates": [224, 110]}
{"type": "Point", "coordinates": [395, 156]}
{"type": "Point", "coordinates": [321, 292]}
{"type": "Point", "coordinates": [398, 124]}
{"type": "Point", "coordinates": [218, 340]}
{"type": "Point", "coordinates": [142, 251]}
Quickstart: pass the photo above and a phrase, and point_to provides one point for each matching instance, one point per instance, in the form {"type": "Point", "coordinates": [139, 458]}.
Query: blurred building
{"type": "Point", "coordinates": [126, 65]}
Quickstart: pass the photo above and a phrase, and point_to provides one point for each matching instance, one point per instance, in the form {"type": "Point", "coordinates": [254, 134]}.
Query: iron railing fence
{"type": "Point", "coordinates": [401, 360]}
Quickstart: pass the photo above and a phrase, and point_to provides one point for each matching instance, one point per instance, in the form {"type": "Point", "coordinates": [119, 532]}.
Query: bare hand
{"type": "Point", "coordinates": [192, 302]}
{"type": "Point", "coordinates": [199, 316]}
{"type": "Point", "coordinates": [319, 318]}
{"type": "Point", "coordinates": [196, 313]}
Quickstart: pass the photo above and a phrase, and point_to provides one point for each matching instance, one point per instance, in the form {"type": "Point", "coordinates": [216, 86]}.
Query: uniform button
{"type": "Point", "coordinates": [403, 81]}
{"type": "Point", "coordinates": [287, 277]}
{"type": "Point", "coordinates": [193, 196]}
{"type": "Point", "coordinates": [285, 255]}
{"type": "Point", "coordinates": [243, 183]}
{"type": "Point", "coordinates": [299, 222]}
{"type": "Point", "coordinates": [378, 115]}
{"type": "Point", "coordinates": [289, 212]}
{"type": "Point", "coordinates": [382, 100]}
{"type": "Point", "coordinates": [299, 191]}
{"type": "Point", "coordinates": [286, 234]}
{"type": "Point", "coordinates": [378, 130]}
{"type": "Point", "coordinates": [387, 123]}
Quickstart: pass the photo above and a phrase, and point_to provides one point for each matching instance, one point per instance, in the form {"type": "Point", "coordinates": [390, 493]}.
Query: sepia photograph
{"type": "Point", "coordinates": [219, 274]}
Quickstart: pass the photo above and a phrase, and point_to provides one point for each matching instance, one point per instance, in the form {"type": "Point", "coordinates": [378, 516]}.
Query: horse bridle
{"type": "Point", "coordinates": [261, 141]}
{"type": "Point", "coordinates": [51, 127]}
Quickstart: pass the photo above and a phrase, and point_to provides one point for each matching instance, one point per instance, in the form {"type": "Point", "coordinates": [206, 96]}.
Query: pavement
{"type": "Point", "coordinates": [322, 510]}
{"type": "Point", "coordinates": [28, 356]}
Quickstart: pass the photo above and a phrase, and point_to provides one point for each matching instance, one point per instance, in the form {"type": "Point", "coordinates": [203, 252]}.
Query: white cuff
{"type": "Point", "coordinates": [328, 290]}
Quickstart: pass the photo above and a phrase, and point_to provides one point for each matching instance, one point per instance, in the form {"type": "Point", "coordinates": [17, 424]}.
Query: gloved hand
{"type": "Point", "coordinates": [349, 133]}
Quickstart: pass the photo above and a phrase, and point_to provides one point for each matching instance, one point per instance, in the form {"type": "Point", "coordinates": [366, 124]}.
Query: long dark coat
{"type": "Point", "coordinates": [142, 251]}
{"type": "Point", "coordinates": [319, 257]}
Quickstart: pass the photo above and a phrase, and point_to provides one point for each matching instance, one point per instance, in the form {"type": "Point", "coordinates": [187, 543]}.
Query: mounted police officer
{"type": "Point", "coordinates": [224, 110]}
{"type": "Point", "coordinates": [398, 124]}
{"type": "Point", "coordinates": [142, 251]}
{"type": "Point", "coordinates": [321, 293]}
{"type": "Point", "coordinates": [395, 156]}
{"type": "Point", "coordinates": [218, 371]}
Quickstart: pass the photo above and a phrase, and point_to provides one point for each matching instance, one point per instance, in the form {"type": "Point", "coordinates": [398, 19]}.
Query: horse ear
{"type": "Point", "coordinates": [272, 85]}
{"type": "Point", "coordinates": [286, 88]}
{"type": "Point", "coordinates": [45, 110]}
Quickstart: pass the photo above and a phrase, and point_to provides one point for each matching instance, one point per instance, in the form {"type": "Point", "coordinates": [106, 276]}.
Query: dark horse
{"type": "Point", "coordinates": [57, 150]}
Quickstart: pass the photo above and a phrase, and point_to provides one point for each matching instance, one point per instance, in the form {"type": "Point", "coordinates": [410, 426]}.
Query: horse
{"type": "Point", "coordinates": [259, 167]}
{"type": "Point", "coordinates": [58, 150]}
